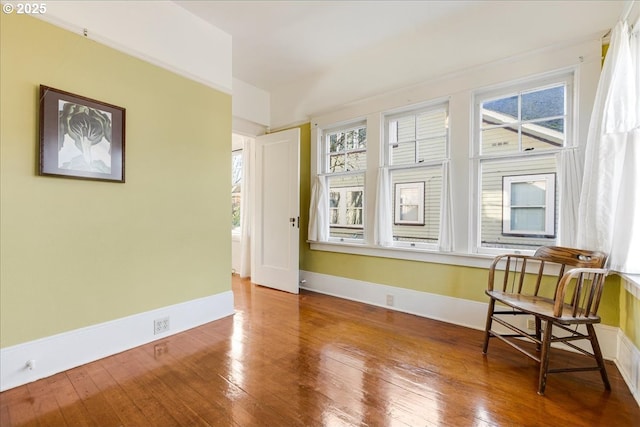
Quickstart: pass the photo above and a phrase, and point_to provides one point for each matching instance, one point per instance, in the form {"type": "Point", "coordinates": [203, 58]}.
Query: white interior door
{"type": "Point", "coordinates": [276, 219]}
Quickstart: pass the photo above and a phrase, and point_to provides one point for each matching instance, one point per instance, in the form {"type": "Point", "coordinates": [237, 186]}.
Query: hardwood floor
{"type": "Point", "coordinates": [315, 360]}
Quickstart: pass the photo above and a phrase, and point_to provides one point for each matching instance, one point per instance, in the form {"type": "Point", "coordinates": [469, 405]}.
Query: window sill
{"type": "Point", "coordinates": [409, 254]}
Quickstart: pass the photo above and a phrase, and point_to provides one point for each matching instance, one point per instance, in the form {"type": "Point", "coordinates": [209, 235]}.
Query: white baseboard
{"type": "Point", "coordinates": [64, 351]}
{"type": "Point", "coordinates": [458, 311]}
{"type": "Point", "coordinates": [628, 363]}
{"type": "Point", "coordinates": [471, 314]}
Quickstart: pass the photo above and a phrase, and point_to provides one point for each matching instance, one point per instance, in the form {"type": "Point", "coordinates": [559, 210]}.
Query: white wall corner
{"type": "Point", "coordinates": [67, 350]}
{"type": "Point", "coordinates": [163, 34]}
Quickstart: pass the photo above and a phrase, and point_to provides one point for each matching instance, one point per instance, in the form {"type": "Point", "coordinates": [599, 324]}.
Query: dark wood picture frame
{"type": "Point", "coordinates": [80, 137]}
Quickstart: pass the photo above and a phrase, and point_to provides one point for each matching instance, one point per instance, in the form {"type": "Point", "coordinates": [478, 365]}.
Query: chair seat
{"type": "Point", "coordinates": [541, 307]}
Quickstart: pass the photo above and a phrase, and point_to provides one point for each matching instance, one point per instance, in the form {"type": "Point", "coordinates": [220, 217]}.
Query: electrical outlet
{"type": "Point", "coordinates": [390, 300]}
{"type": "Point", "coordinates": [160, 325]}
{"type": "Point", "coordinates": [531, 324]}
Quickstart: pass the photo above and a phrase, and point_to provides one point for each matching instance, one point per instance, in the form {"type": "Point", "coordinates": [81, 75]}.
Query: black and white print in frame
{"type": "Point", "coordinates": [80, 137]}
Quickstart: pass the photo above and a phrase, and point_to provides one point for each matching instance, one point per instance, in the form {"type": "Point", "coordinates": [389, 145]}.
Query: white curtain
{"type": "Point", "coordinates": [382, 232]}
{"type": "Point", "coordinates": [445, 242]}
{"type": "Point", "coordinates": [570, 175]}
{"type": "Point", "coordinates": [319, 211]}
{"type": "Point", "coordinates": [245, 209]}
{"type": "Point", "coordinates": [609, 211]}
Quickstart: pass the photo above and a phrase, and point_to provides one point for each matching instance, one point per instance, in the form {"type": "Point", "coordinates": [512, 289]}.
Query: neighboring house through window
{"type": "Point", "coordinates": [416, 145]}
{"type": "Point", "coordinates": [528, 205]}
{"type": "Point", "coordinates": [519, 132]}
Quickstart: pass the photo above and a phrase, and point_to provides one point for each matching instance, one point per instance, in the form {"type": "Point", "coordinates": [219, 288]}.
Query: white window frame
{"type": "Point", "coordinates": [549, 180]}
{"type": "Point", "coordinates": [397, 213]}
{"type": "Point", "coordinates": [580, 59]}
{"type": "Point", "coordinates": [324, 170]}
{"type": "Point", "coordinates": [566, 77]}
{"type": "Point", "coordinates": [390, 138]}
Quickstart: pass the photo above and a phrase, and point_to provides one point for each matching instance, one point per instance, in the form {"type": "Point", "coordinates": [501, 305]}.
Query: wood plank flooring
{"type": "Point", "coordinates": [314, 360]}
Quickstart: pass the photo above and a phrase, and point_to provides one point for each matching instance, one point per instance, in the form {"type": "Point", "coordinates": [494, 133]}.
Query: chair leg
{"type": "Point", "coordinates": [487, 328]}
{"type": "Point", "coordinates": [544, 357]}
{"type": "Point", "coordinates": [598, 355]}
{"type": "Point", "coordinates": [538, 332]}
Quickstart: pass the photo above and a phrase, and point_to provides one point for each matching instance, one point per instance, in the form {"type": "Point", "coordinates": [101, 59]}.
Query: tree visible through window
{"type": "Point", "coordinates": [236, 189]}
{"type": "Point", "coordinates": [345, 164]}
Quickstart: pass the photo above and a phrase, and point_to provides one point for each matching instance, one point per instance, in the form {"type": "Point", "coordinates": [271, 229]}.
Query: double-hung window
{"type": "Point", "coordinates": [416, 145]}
{"type": "Point", "coordinates": [344, 167]}
{"type": "Point", "coordinates": [519, 132]}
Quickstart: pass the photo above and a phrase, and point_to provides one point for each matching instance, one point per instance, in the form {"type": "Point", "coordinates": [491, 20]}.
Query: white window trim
{"type": "Point", "coordinates": [550, 199]}
{"type": "Point", "coordinates": [580, 57]}
{"type": "Point", "coordinates": [569, 77]}
{"type": "Point", "coordinates": [320, 166]}
{"type": "Point", "coordinates": [397, 212]}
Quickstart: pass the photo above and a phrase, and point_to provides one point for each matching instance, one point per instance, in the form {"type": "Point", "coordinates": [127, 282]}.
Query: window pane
{"type": "Point", "coordinates": [416, 192]}
{"type": "Point", "coordinates": [403, 154]}
{"type": "Point", "coordinates": [336, 142]}
{"type": "Point", "coordinates": [431, 124]}
{"type": "Point", "coordinates": [346, 202]}
{"type": "Point", "coordinates": [356, 160]}
{"type": "Point", "coordinates": [543, 103]}
{"type": "Point", "coordinates": [432, 149]}
{"type": "Point", "coordinates": [356, 139]}
{"type": "Point", "coordinates": [334, 199]}
{"type": "Point", "coordinates": [499, 111]}
{"type": "Point", "coordinates": [502, 140]}
{"type": "Point", "coordinates": [528, 193]}
{"type": "Point", "coordinates": [543, 135]}
{"type": "Point", "coordinates": [528, 220]}
{"type": "Point", "coordinates": [406, 128]}
{"type": "Point", "coordinates": [492, 199]}
{"type": "Point", "coordinates": [337, 163]}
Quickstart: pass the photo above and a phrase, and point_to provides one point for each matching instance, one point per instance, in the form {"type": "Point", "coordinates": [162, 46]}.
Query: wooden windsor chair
{"type": "Point", "coordinates": [520, 285]}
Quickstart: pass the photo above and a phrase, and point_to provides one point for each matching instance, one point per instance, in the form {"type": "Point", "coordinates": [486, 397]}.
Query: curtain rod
{"type": "Point", "coordinates": [623, 16]}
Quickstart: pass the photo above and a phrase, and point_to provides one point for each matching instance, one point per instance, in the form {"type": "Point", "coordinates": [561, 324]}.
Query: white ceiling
{"type": "Point", "coordinates": [275, 42]}
{"type": "Point", "coordinates": [313, 55]}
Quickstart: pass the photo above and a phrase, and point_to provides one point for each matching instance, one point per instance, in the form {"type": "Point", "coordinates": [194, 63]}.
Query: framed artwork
{"type": "Point", "coordinates": [409, 203]}
{"type": "Point", "coordinates": [80, 137]}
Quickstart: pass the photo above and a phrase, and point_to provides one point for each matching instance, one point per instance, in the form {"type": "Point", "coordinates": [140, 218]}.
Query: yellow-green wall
{"type": "Point", "coordinates": [449, 280]}
{"type": "Point", "coordinates": [75, 253]}
{"type": "Point", "coordinates": [630, 316]}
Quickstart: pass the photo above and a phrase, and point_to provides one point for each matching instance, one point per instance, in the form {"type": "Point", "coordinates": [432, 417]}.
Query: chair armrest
{"type": "Point", "coordinates": [597, 275]}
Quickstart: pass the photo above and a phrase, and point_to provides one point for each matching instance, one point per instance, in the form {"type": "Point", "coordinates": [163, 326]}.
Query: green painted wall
{"type": "Point", "coordinates": [75, 253]}
{"type": "Point", "coordinates": [449, 280]}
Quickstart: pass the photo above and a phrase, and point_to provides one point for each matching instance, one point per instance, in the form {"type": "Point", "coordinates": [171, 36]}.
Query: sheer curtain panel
{"type": "Point", "coordinates": [319, 211]}
{"type": "Point", "coordinates": [383, 234]}
{"type": "Point", "coordinates": [609, 211]}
